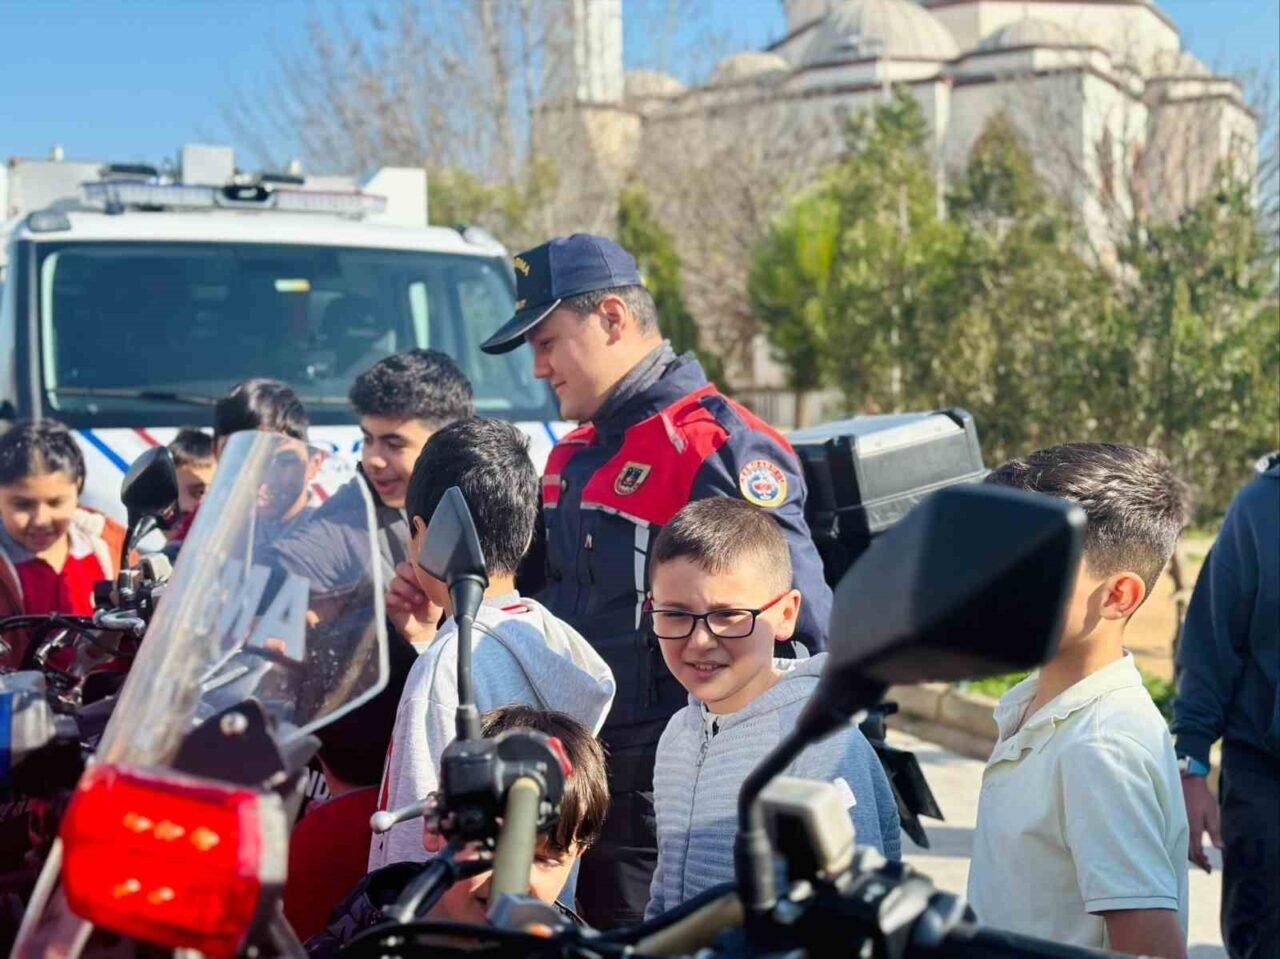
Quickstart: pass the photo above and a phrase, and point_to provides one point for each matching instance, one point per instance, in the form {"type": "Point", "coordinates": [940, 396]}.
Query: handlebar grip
{"type": "Point", "coordinates": [968, 941]}
{"type": "Point", "coordinates": [513, 859]}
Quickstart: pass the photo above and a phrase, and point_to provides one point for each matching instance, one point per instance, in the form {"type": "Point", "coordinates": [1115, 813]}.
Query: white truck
{"type": "Point", "coordinates": [133, 298]}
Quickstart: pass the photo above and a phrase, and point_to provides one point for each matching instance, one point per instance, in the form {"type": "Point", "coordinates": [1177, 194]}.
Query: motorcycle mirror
{"type": "Point", "coordinates": [973, 582]}
{"type": "Point", "coordinates": [150, 495]}
{"type": "Point", "coordinates": [451, 553]}
{"type": "Point", "coordinates": [150, 488]}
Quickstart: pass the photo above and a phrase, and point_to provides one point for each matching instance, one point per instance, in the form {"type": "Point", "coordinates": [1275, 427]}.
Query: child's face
{"type": "Point", "coordinates": [193, 482]}
{"type": "Point", "coordinates": [468, 900]}
{"type": "Point", "coordinates": [724, 673]}
{"type": "Point", "coordinates": [388, 451]}
{"type": "Point", "coordinates": [37, 510]}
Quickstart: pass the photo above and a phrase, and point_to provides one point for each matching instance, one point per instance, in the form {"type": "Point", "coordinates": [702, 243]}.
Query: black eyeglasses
{"type": "Point", "coordinates": [721, 623]}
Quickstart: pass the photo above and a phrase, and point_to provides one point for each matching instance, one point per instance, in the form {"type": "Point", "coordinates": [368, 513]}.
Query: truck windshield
{"type": "Point", "coordinates": [132, 331]}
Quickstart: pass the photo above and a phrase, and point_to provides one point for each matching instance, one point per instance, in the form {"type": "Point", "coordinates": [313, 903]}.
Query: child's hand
{"type": "Point", "coordinates": [410, 610]}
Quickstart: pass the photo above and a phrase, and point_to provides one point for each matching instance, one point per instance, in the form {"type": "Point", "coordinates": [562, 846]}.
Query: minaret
{"type": "Point", "coordinates": [584, 63]}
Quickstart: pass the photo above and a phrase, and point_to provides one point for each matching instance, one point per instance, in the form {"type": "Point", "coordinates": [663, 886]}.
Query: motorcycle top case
{"type": "Point", "coordinates": [866, 473]}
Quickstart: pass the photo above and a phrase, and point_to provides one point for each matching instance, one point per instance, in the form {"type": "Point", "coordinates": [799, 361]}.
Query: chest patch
{"type": "Point", "coordinates": [630, 478]}
{"type": "Point", "coordinates": [763, 483]}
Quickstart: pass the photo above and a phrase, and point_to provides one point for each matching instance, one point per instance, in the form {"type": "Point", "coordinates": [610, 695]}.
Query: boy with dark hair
{"type": "Point", "coordinates": [270, 406]}
{"type": "Point", "coordinates": [259, 404]}
{"type": "Point", "coordinates": [722, 602]}
{"type": "Point", "coordinates": [582, 810]}
{"type": "Point", "coordinates": [1082, 832]}
{"type": "Point", "coordinates": [521, 654]}
{"type": "Point", "coordinates": [401, 400]}
{"type": "Point", "coordinates": [195, 463]}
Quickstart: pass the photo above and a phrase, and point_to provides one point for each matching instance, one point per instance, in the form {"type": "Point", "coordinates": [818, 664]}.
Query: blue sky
{"type": "Point", "coordinates": [134, 79]}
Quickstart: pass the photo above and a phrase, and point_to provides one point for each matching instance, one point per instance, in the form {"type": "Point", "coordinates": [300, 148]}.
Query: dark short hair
{"type": "Point", "coordinates": [33, 448]}
{"type": "Point", "coordinates": [586, 791]}
{"type": "Point", "coordinates": [638, 299]}
{"type": "Point", "coordinates": [721, 534]}
{"type": "Point", "coordinates": [422, 385]}
{"type": "Point", "coordinates": [261, 404]}
{"type": "Point", "coordinates": [489, 461]}
{"type": "Point", "coordinates": [191, 447]}
{"type": "Point", "coordinates": [1134, 502]}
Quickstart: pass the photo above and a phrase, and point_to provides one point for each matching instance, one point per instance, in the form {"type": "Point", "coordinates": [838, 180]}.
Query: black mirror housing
{"type": "Point", "coordinates": [451, 550]}
{"type": "Point", "coordinates": [150, 488]}
{"type": "Point", "coordinates": [973, 582]}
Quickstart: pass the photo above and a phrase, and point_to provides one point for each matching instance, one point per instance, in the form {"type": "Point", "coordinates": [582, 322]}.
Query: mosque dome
{"type": "Point", "coordinates": [1029, 32]}
{"type": "Point", "coordinates": [649, 84]}
{"type": "Point", "coordinates": [749, 66]}
{"type": "Point", "coordinates": [882, 29]}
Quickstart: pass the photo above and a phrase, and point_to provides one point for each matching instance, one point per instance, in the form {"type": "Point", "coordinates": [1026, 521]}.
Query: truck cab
{"type": "Point", "coordinates": [128, 310]}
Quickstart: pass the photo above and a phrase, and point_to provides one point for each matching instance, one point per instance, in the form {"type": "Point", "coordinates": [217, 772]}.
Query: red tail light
{"type": "Point", "coordinates": [171, 859]}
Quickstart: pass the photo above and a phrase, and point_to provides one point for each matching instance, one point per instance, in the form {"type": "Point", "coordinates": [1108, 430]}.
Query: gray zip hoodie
{"type": "Point", "coordinates": [704, 758]}
{"type": "Point", "coordinates": [529, 657]}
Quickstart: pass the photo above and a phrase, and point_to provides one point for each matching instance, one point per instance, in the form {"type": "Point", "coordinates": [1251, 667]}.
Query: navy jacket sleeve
{"type": "Point", "coordinates": [1231, 628]}
{"type": "Point", "coordinates": [721, 475]}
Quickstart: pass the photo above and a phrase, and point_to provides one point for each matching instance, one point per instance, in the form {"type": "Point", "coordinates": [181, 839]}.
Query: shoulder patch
{"type": "Point", "coordinates": [763, 483]}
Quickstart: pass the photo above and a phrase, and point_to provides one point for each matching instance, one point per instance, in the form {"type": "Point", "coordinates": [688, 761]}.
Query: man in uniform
{"type": "Point", "coordinates": [654, 435]}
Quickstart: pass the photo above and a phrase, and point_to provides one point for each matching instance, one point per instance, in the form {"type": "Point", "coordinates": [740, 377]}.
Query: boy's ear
{"type": "Point", "coordinates": [1122, 594]}
{"type": "Point", "coordinates": [790, 607]}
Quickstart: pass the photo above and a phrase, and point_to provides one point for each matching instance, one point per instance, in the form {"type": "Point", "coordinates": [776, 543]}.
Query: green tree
{"type": "Point", "coordinates": [790, 286]}
{"type": "Point", "coordinates": [1201, 343]}
{"type": "Point", "coordinates": [640, 232]}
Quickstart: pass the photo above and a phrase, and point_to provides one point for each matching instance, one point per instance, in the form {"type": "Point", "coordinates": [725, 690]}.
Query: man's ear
{"type": "Point", "coordinates": [1122, 594]}
{"type": "Point", "coordinates": [616, 317]}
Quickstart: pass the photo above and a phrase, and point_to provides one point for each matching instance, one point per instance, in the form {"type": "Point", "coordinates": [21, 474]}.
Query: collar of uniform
{"type": "Point", "coordinates": [1039, 729]}
{"type": "Point", "coordinates": [680, 378]}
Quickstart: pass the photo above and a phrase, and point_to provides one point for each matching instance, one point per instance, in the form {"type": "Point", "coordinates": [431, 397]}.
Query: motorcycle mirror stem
{"type": "Point", "coordinates": [451, 553]}
{"type": "Point", "coordinates": [983, 574]}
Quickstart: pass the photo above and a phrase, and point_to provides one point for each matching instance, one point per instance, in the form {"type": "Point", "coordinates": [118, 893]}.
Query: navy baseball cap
{"type": "Point", "coordinates": [548, 274]}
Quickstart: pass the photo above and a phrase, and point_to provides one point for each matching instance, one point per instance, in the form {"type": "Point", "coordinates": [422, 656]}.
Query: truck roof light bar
{"type": "Point", "coordinates": [118, 195]}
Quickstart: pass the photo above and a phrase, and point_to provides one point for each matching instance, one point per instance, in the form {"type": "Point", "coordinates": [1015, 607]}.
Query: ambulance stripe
{"type": "Point", "coordinates": [146, 437]}
{"type": "Point", "coordinates": [96, 442]}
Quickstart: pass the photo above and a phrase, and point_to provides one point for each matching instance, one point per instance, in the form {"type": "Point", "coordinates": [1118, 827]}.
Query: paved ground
{"type": "Point", "coordinates": [956, 780]}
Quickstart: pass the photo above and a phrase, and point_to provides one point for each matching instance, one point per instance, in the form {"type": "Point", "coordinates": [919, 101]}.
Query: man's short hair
{"type": "Point", "coordinates": [261, 404]}
{"type": "Point", "coordinates": [638, 300]}
{"type": "Point", "coordinates": [721, 534]}
{"type": "Point", "coordinates": [422, 385]}
{"type": "Point", "coordinates": [1134, 502]}
{"type": "Point", "coordinates": [191, 447]}
{"type": "Point", "coordinates": [488, 460]}
{"type": "Point", "coordinates": [586, 791]}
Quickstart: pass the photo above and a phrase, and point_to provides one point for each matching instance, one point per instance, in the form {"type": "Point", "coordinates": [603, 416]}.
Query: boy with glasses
{"type": "Point", "coordinates": [721, 602]}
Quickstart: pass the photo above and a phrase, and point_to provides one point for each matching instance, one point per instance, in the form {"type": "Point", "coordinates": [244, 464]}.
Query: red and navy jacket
{"type": "Point", "coordinates": [609, 488]}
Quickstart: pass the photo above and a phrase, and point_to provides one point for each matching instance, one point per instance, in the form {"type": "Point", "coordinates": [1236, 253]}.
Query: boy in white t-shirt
{"type": "Point", "coordinates": [1082, 832]}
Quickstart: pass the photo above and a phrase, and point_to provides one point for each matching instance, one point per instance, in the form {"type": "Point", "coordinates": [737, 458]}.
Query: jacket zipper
{"type": "Point", "coordinates": [688, 832]}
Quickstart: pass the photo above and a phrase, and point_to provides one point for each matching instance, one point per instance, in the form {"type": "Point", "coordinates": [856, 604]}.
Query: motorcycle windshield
{"type": "Point", "coordinates": [271, 599]}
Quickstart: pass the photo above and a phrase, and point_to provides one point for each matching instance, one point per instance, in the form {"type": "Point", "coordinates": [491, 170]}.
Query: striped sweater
{"type": "Point", "coordinates": [703, 759]}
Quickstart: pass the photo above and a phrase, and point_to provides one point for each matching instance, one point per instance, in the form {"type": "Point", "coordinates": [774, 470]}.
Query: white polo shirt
{"type": "Point", "coordinates": [1081, 812]}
